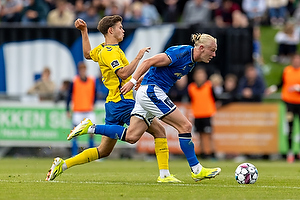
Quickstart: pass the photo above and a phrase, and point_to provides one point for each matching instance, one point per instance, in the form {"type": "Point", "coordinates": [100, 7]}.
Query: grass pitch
{"type": "Point", "coordinates": [132, 179]}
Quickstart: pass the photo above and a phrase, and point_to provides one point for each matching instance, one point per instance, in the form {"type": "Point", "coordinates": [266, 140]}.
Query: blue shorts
{"type": "Point", "coordinates": [118, 113]}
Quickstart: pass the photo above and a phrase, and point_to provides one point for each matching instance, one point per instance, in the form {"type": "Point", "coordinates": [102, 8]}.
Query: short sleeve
{"type": "Point", "coordinates": [94, 53]}
{"type": "Point", "coordinates": [171, 54]}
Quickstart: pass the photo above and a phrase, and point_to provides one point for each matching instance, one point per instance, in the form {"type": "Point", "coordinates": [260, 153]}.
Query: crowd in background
{"type": "Point", "coordinates": [222, 13]}
{"type": "Point", "coordinates": [283, 15]}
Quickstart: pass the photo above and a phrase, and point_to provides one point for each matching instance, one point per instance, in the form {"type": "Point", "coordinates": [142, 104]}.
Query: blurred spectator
{"type": "Point", "coordinates": [79, 6]}
{"type": "Point", "coordinates": [172, 11]}
{"type": "Point", "coordinates": [287, 41]}
{"type": "Point", "coordinates": [256, 54]}
{"type": "Point", "coordinates": [229, 91]}
{"type": "Point", "coordinates": [179, 92]}
{"type": "Point", "coordinates": [217, 83]}
{"type": "Point", "coordinates": [100, 6]}
{"type": "Point", "coordinates": [62, 15]}
{"type": "Point", "coordinates": [255, 10]}
{"type": "Point", "coordinates": [90, 16]}
{"type": "Point", "coordinates": [296, 15]}
{"type": "Point", "coordinates": [10, 10]}
{"type": "Point", "coordinates": [277, 11]}
{"type": "Point", "coordinates": [196, 12]}
{"type": "Point", "coordinates": [44, 87]}
{"type": "Point", "coordinates": [134, 14]}
{"type": "Point", "coordinates": [101, 90]}
{"type": "Point", "coordinates": [114, 8]}
{"type": "Point", "coordinates": [51, 4]}
{"type": "Point", "coordinates": [63, 92]}
{"type": "Point", "coordinates": [203, 108]}
{"type": "Point", "coordinates": [36, 11]}
{"type": "Point", "coordinates": [150, 13]}
{"type": "Point", "coordinates": [290, 95]}
{"type": "Point", "coordinates": [251, 86]}
{"type": "Point", "coordinates": [291, 7]}
{"type": "Point", "coordinates": [82, 93]}
{"type": "Point", "coordinates": [214, 4]}
{"type": "Point", "coordinates": [230, 14]}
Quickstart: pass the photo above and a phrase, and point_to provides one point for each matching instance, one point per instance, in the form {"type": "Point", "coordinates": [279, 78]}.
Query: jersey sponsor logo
{"type": "Point", "coordinates": [178, 74]}
{"type": "Point", "coordinates": [115, 63]}
{"type": "Point", "coordinates": [181, 55]}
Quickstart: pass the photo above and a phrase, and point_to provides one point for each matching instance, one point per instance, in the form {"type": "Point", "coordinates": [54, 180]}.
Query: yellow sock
{"type": "Point", "coordinates": [162, 153]}
{"type": "Point", "coordinates": [86, 156]}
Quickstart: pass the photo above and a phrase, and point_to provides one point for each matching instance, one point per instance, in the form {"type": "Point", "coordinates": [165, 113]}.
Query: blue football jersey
{"type": "Point", "coordinates": [181, 64]}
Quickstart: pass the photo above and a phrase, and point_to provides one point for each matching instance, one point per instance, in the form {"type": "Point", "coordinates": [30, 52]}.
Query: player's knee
{"type": "Point", "coordinates": [186, 127]}
{"type": "Point", "coordinates": [131, 139]}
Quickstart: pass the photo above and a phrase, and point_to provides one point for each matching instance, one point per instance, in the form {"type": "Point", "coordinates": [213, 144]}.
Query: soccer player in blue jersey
{"type": "Point", "coordinates": [152, 102]}
{"type": "Point", "coordinates": [116, 72]}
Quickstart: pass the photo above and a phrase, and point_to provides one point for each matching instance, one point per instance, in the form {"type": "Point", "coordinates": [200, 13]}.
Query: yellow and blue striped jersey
{"type": "Point", "coordinates": [110, 59]}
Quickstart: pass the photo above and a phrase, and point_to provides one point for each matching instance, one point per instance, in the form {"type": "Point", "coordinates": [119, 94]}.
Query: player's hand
{"type": "Point", "coordinates": [80, 24]}
{"type": "Point", "coordinates": [127, 87]}
{"type": "Point", "coordinates": [138, 83]}
{"type": "Point", "coordinates": [143, 51]}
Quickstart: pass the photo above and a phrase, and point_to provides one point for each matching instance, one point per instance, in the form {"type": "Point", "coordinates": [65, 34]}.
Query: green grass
{"type": "Point", "coordinates": [134, 179]}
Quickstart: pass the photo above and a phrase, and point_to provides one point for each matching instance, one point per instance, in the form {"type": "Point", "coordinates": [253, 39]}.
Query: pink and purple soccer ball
{"type": "Point", "coordinates": [246, 173]}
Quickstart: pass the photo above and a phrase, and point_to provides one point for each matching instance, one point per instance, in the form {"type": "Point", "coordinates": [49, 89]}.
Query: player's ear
{"type": "Point", "coordinates": [201, 47]}
{"type": "Point", "coordinates": [110, 30]}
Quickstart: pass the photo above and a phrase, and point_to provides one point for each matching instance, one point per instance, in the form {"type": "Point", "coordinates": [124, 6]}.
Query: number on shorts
{"type": "Point", "coordinates": [169, 102]}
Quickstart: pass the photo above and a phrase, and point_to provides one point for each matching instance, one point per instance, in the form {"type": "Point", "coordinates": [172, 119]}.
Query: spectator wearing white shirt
{"type": "Point", "coordinates": [254, 9]}
{"type": "Point", "coordinates": [287, 40]}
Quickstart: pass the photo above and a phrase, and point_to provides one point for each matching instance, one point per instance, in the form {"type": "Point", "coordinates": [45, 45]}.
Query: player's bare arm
{"type": "Point", "coordinates": [127, 71]}
{"type": "Point", "coordinates": [86, 46]}
{"type": "Point", "coordinates": [159, 60]}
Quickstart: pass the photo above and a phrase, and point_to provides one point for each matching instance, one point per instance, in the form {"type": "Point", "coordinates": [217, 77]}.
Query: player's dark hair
{"type": "Point", "coordinates": [108, 21]}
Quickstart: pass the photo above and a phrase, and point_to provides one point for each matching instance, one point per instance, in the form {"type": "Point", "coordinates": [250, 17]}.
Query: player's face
{"type": "Point", "coordinates": [208, 51]}
{"type": "Point", "coordinates": [118, 31]}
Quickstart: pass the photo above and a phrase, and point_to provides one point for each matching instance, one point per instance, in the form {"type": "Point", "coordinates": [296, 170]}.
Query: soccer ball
{"type": "Point", "coordinates": [246, 173]}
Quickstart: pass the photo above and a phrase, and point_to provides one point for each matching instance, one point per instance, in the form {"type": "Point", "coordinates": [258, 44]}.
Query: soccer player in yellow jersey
{"type": "Point", "coordinates": [116, 71]}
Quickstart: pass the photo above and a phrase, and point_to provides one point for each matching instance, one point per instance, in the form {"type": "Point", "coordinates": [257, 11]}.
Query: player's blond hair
{"type": "Point", "coordinates": [199, 39]}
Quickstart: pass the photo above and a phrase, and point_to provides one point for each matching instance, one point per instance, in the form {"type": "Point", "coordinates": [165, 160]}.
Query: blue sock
{"type": "Point", "coordinates": [112, 131]}
{"type": "Point", "coordinates": [74, 148]}
{"type": "Point", "coordinates": [91, 142]}
{"type": "Point", "coordinates": [187, 146]}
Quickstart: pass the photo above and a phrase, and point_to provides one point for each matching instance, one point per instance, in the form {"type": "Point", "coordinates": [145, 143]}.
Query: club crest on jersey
{"type": "Point", "coordinates": [115, 63]}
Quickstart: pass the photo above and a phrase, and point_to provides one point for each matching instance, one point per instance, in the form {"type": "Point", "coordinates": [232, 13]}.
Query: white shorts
{"type": "Point", "coordinates": [151, 101]}
{"type": "Point", "coordinates": [77, 117]}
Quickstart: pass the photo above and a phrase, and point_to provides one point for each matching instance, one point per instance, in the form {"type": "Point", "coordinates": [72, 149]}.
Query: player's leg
{"type": "Point", "coordinates": [161, 152]}
{"type": "Point", "coordinates": [184, 127]}
{"type": "Point", "coordinates": [103, 150]}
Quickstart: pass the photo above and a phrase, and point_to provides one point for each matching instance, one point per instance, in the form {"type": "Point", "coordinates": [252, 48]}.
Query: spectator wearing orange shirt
{"type": "Point", "coordinates": [203, 107]}
{"type": "Point", "coordinates": [82, 93]}
{"type": "Point", "coordinates": [290, 95]}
